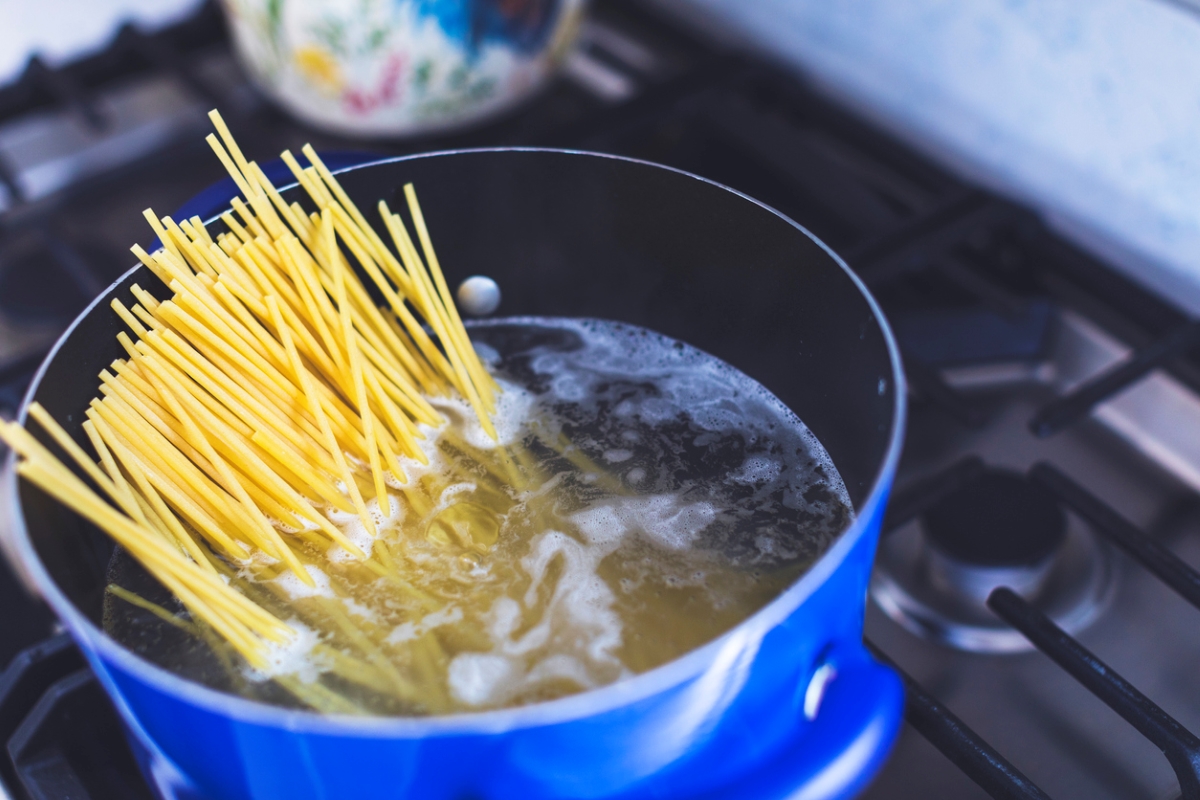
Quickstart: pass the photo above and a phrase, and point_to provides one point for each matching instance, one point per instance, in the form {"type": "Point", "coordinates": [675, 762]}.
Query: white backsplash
{"type": "Point", "coordinates": [1087, 110]}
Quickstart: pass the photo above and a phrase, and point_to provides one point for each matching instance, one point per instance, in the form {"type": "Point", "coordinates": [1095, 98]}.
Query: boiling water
{"type": "Point", "coordinates": [643, 498]}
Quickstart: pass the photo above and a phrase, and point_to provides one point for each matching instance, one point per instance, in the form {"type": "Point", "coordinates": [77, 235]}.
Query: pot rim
{"type": "Point", "coordinates": [584, 704]}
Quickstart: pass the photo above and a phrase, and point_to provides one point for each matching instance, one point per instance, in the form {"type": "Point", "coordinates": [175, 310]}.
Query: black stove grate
{"type": "Point", "coordinates": [965, 748]}
{"type": "Point", "coordinates": [1077, 403]}
{"type": "Point", "coordinates": [923, 240]}
{"type": "Point", "coordinates": [962, 745]}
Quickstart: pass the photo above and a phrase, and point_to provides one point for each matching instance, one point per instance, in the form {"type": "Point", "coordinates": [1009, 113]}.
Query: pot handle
{"type": "Point", "coordinates": [856, 705]}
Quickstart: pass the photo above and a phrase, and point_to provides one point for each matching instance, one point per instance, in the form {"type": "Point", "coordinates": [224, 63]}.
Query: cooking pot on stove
{"type": "Point", "coordinates": [786, 704]}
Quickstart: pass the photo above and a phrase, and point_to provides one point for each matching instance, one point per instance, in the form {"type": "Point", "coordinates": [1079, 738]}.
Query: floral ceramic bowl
{"type": "Point", "coordinates": [395, 67]}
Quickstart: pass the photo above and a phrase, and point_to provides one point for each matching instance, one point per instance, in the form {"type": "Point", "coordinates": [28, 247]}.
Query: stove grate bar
{"type": "Point", "coordinates": [987, 291]}
{"type": "Point", "coordinates": [1074, 405]}
{"type": "Point", "coordinates": [168, 60]}
{"type": "Point", "coordinates": [8, 179]}
{"type": "Point", "coordinates": [922, 494]}
{"type": "Point", "coordinates": [929, 384]}
{"type": "Point", "coordinates": [1160, 561]}
{"type": "Point", "coordinates": [783, 146]}
{"type": "Point", "coordinates": [978, 760]}
{"type": "Point", "coordinates": [65, 91]}
{"type": "Point", "coordinates": [77, 86]}
{"type": "Point", "coordinates": [1181, 746]}
{"type": "Point", "coordinates": [920, 241]}
{"type": "Point", "coordinates": [22, 684]}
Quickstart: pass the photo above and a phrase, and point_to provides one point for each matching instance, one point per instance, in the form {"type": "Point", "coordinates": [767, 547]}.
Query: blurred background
{"type": "Point", "coordinates": [1017, 182]}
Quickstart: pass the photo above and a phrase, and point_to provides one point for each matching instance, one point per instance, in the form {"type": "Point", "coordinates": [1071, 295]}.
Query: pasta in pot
{"type": "Point", "coordinates": [358, 509]}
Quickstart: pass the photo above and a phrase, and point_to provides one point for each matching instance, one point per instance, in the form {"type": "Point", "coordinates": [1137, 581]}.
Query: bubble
{"type": "Point", "coordinates": [758, 470]}
{"type": "Point", "coordinates": [407, 631]}
{"type": "Point", "coordinates": [476, 678]}
{"type": "Point", "coordinates": [293, 657]}
{"type": "Point", "coordinates": [297, 589]}
{"type": "Point", "coordinates": [513, 409]}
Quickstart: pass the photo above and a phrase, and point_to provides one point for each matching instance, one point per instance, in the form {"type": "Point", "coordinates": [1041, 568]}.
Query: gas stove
{"type": "Point", "coordinates": [1036, 583]}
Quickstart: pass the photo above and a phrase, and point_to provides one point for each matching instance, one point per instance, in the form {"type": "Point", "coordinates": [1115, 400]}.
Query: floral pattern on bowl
{"type": "Point", "coordinates": [396, 67]}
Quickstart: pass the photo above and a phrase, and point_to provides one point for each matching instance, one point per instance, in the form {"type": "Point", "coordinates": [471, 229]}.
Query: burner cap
{"type": "Point", "coordinates": [998, 530]}
{"type": "Point", "coordinates": [1000, 519]}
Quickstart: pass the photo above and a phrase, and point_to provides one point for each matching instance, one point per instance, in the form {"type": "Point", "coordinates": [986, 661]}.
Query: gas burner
{"type": "Point", "coordinates": [934, 575]}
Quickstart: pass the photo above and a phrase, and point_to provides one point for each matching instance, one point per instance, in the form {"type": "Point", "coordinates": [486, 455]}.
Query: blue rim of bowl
{"type": "Point", "coordinates": [577, 706]}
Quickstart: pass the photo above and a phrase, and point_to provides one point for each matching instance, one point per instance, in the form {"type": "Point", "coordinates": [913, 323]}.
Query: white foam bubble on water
{"type": "Point", "coordinates": [436, 463]}
{"type": "Point", "coordinates": [352, 527]}
{"type": "Point", "coordinates": [602, 525]}
{"type": "Point", "coordinates": [757, 469]}
{"type": "Point", "coordinates": [454, 490]}
{"type": "Point", "coordinates": [514, 405]}
{"type": "Point", "coordinates": [670, 522]}
{"type": "Point", "coordinates": [577, 629]}
{"type": "Point", "coordinates": [355, 607]}
{"type": "Point", "coordinates": [617, 456]}
{"type": "Point", "coordinates": [407, 631]}
{"type": "Point", "coordinates": [477, 678]}
{"type": "Point", "coordinates": [257, 558]}
{"type": "Point", "coordinates": [293, 657]}
{"type": "Point", "coordinates": [297, 589]}
{"type": "Point", "coordinates": [664, 518]}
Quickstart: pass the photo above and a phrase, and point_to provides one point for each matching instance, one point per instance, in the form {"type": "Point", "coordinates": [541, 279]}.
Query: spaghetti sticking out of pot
{"type": "Point", "coordinates": [356, 508]}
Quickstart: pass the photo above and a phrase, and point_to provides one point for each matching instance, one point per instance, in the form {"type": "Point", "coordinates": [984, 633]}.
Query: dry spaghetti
{"type": "Point", "coordinates": [267, 387]}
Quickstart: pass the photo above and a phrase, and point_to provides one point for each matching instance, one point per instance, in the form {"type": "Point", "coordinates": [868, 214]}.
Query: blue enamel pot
{"type": "Point", "coordinates": [786, 704]}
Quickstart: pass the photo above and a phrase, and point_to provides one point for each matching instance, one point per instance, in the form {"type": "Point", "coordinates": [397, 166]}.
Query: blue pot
{"type": "Point", "coordinates": [786, 704]}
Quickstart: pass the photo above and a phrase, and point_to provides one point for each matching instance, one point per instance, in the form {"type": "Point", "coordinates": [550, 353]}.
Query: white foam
{"type": "Point", "coordinates": [247, 567]}
{"type": "Point", "coordinates": [446, 498]}
{"type": "Point", "coordinates": [477, 678]}
{"type": "Point", "coordinates": [293, 657]}
{"type": "Point", "coordinates": [716, 396]}
{"type": "Point", "coordinates": [665, 519]}
{"type": "Point", "coordinates": [672, 523]}
{"type": "Point", "coordinates": [352, 527]}
{"type": "Point", "coordinates": [576, 632]}
{"type": "Point", "coordinates": [758, 469]}
{"type": "Point", "coordinates": [407, 631]}
{"type": "Point", "coordinates": [355, 607]}
{"type": "Point", "coordinates": [514, 405]}
{"type": "Point", "coordinates": [602, 525]}
{"type": "Point", "coordinates": [561, 666]}
{"type": "Point", "coordinates": [297, 589]}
